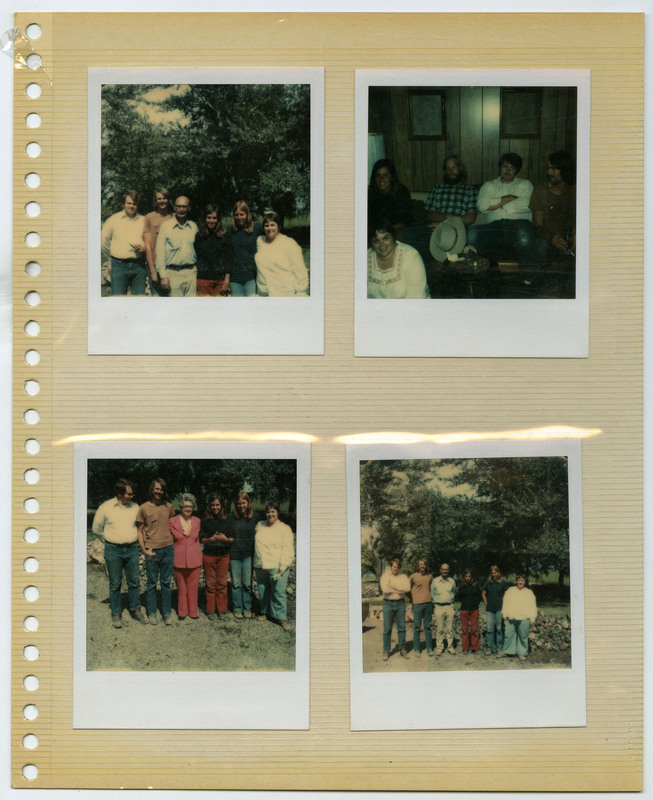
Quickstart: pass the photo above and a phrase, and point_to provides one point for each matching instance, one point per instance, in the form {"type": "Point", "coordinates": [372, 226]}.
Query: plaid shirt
{"type": "Point", "coordinates": [457, 198]}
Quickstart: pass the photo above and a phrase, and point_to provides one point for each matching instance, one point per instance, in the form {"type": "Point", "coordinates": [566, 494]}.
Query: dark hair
{"type": "Point", "coordinates": [243, 496]}
{"type": "Point", "coordinates": [521, 575]}
{"type": "Point", "coordinates": [133, 195]}
{"type": "Point", "coordinates": [275, 505]}
{"type": "Point", "coordinates": [166, 193]}
{"type": "Point", "coordinates": [238, 205]}
{"type": "Point", "coordinates": [208, 514]}
{"type": "Point", "coordinates": [396, 560]}
{"type": "Point", "coordinates": [565, 163]}
{"type": "Point", "coordinates": [271, 216]}
{"type": "Point", "coordinates": [121, 486]}
{"type": "Point", "coordinates": [461, 167]}
{"type": "Point", "coordinates": [462, 578]}
{"type": "Point", "coordinates": [220, 230]}
{"type": "Point", "coordinates": [164, 486]}
{"type": "Point", "coordinates": [382, 225]}
{"type": "Point", "coordinates": [514, 159]}
{"type": "Point", "coordinates": [395, 184]}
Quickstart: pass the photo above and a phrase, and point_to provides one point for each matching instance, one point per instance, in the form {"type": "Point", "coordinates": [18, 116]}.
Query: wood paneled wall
{"type": "Point", "coordinates": [472, 131]}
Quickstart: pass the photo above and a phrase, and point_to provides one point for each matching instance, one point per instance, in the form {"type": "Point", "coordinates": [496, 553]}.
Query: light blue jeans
{"type": "Point", "coordinates": [272, 592]}
{"type": "Point", "coordinates": [516, 640]}
{"type": "Point", "coordinates": [243, 289]}
{"type": "Point", "coordinates": [493, 620]}
{"type": "Point", "coordinates": [241, 583]}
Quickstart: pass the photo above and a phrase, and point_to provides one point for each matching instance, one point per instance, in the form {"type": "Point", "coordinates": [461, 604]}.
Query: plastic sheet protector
{"type": "Point", "coordinates": [327, 340]}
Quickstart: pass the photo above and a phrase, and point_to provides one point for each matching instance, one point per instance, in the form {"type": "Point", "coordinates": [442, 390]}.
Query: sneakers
{"type": "Point", "coordinates": [139, 616]}
{"type": "Point", "coordinates": [168, 619]}
{"type": "Point", "coordinates": [452, 650]}
{"type": "Point", "coordinates": [152, 619]}
{"type": "Point", "coordinates": [262, 618]}
{"type": "Point", "coordinates": [429, 653]}
{"type": "Point", "coordinates": [238, 615]}
{"type": "Point", "coordinates": [116, 620]}
{"type": "Point", "coordinates": [385, 656]}
{"type": "Point", "coordinates": [501, 654]}
{"type": "Point", "coordinates": [285, 624]}
{"type": "Point", "coordinates": [247, 614]}
{"type": "Point", "coordinates": [417, 653]}
{"type": "Point", "coordinates": [488, 652]}
{"type": "Point", "coordinates": [438, 652]}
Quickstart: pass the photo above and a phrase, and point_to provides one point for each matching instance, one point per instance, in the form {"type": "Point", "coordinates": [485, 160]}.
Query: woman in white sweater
{"type": "Point", "coordinates": [274, 553]}
{"type": "Point", "coordinates": [280, 268]}
{"type": "Point", "coordinates": [519, 612]}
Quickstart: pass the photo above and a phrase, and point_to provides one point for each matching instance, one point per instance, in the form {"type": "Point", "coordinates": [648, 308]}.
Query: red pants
{"type": "Point", "coordinates": [469, 619]}
{"type": "Point", "coordinates": [188, 581]}
{"type": "Point", "coordinates": [216, 569]}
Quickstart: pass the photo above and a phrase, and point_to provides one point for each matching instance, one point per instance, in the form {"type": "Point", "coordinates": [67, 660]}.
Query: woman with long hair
{"type": "Point", "coordinates": [242, 236]}
{"type": "Point", "coordinates": [492, 593]}
{"type": "Point", "coordinates": [469, 595]}
{"type": "Point", "coordinates": [245, 520]}
{"type": "Point", "coordinates": [187, 566]}
{"type": "Point", "coordinates": [388, 197]}
{"type": "Point", "coordinates": [280, 267]}
{"type": "Point", "coordinates": [214, 254]}
{"type": "Point", "coordinates": [216, 537]}
{"type": "Point", "coordinates": [274, 553]}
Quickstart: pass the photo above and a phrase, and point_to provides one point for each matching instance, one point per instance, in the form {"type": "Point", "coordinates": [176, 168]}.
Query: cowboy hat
{"type": "Point", "coordinates": [448, 238]}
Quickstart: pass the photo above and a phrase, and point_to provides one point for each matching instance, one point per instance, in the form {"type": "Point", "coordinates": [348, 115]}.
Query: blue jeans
{"type": "Point", "coordinates": [516, 640]}
{"type": "Point", "coordinates": [159, 568]}
{"type": "Point", "coordinates": [422, 611]}
{"type": "Point", "coordinates": [128, 274]}
{"type": "Point", "coordinates": [394, 609]}
{"type": "Point", "coordinates": [118, 558]}
{"type": "Point", "coordinates": [243, 289]}
{"type": "Point", "coordinates": [241, 583]}
{"type": "Point", "coordinates": [272, 592]}
{"type": "Point", "coordinates": [493, 620]}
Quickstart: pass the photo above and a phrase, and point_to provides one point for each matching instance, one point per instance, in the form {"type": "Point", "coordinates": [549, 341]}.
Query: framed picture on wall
{"type": "Point", "coordinates": [521, 112]}
{"type": "Point", "coordinates": [427, 118]}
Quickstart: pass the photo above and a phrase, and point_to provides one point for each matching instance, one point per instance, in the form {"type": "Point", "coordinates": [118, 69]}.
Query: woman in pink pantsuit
{"type": "Point", "coordinates": [185, 529]}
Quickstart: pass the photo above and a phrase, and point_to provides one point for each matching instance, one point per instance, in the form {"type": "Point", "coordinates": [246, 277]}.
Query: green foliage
{"type": "Point", "coordinates": [216, 143]}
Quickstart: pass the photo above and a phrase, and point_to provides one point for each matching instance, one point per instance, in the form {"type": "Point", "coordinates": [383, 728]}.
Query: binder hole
{"type": "Point", "coordinates": [32, 298]}
{"type": "Point", "coordinates": [31, 535]}
{"type": "Point", "coordinates": [31, 652]}
{"type": "Point", "coordinates": [31, 564]}
{"type": "Point", "coordinates": [31, 624]}
{"type": "Point", "coordinates": [32, 180]}
{"type": "Point", "coordinates": [33, 149]}
{"type": "Point", "coordinates": [32, 446]}
{"type": "Point", "coordinates": [30, 742]}
{"type": "Point", "coordinates": [30, 711]}
{"type": "Point", "coordinates": [32, 357]}
{"type": "Point", "coordinates": [30, 683]}
{"type": "Point", "coordinates": [33, 61]}
{"type": "Point", "coordinates": [31, 505]}
{"type": "Point", "coordinates": [32, 239]}
{"type": "Point", "coordinates": [33, 31]}
{"type": "Point", "coordinates": [31, 476]}
{"type": "Point", "coordinates": [31, 416]}
{"type": "Point", "coordinates": [32, 388]}
{"type": "Point", "coordinates": [33, 120]}
{"type": "Point", "coordinates": [33, 90]}
{"type": "Point", "coordinates": [32, 209]}
{"type": "Point", "coordinates": [32, 269]}
{"type": "Point", "coordinates": [32, 328]}
{"type": "Point", "coordinates": [30, 772]}
{"type": "Point", "coordinates": [31, 594]}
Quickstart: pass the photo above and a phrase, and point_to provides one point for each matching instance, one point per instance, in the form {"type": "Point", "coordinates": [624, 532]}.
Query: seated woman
{"type": "Point", "coordinates": [280, 268]}
{"type": "Point", "coordinates": [187, 566]}
{"type": "Point", "coordinates": [519, 613]}
{"type": "Point", "coordinates": [394, 270]}
{"type": "Point", "coordinates": [388, 197]}
{"type": "Point", "coordinates": [242, 235]}
{"type": "Point", "coordinates": [274, 553]}
{"type": "Point", "coordinates": [214, 254]}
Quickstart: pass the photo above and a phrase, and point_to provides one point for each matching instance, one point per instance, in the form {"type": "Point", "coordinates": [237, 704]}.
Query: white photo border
{"type": "Point", "coordinates": [227, 700]}
{"type": "Point", "coordinates": [474, 328]}
{"type": "Point", "coordinates": [244, 326]}
{"type": "Point", "coordinates": [534, 698]}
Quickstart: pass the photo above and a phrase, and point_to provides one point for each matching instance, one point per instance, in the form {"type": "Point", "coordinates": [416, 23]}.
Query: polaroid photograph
{"type": "Point", "coordinates": [191, 584]}
{"type": "Point", "coordinates": [206, 211]}
{"type": "Point", "coordinates": [466, 598]}
{"type": "Point", "coordinates": [473, 204]}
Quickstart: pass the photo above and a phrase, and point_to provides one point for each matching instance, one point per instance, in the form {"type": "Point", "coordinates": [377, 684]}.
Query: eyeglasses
{"type": "Point", "coordinates": [177, 206]}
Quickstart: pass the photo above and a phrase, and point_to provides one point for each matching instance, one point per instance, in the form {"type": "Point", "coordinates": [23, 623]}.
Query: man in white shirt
{"type": "Point", "coordinates": [505, 202]}
{"type": "Point", "coordinates": [115, 523]}
{"type": "Point", "coordinates": [123, 243]}
{"type": "Point", "coordinates": [176, 259]}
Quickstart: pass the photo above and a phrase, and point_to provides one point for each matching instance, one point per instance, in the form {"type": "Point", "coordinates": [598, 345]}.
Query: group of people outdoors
{"type": "Point", "coordinates": [164, 253]}
{"type": "Point", "coordinates": [182, 544]}
{"type": "Point", "coordinates": [509, 611]}
{"type": "Point", "coordinates": [534, 226]}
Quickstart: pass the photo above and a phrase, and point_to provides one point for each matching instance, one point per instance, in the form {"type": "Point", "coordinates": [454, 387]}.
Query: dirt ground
{"type": "Point", "coordinates": [195, 645]}
{"type": "Point", "coordinates": [373, 652]}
